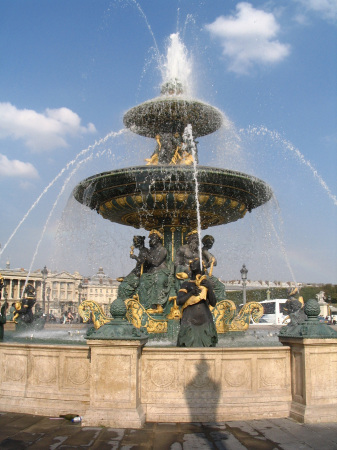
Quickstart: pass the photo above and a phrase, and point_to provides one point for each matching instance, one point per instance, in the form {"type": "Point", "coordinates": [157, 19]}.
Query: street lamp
{"type": "Point", "coordinates": [244, 272]}
{"type": "Point", "coordinates": [44, 272]}
{"type": "Point", "coordinates": [80, 286]}
{"type": "Point", "coordinates": [48, 299]}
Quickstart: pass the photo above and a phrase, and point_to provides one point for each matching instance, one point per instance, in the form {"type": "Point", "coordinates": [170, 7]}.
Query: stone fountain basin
{"type": "Point", "coordinates": [172, 114]}
{"type": "Point", "coordinates": [157, 196]}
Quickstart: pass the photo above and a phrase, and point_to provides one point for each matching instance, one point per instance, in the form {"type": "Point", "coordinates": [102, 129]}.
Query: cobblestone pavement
{"type": "Point", "coordinates": [21, 431]}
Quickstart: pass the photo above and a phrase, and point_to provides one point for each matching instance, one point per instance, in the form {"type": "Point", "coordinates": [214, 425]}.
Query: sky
{"type": "Point", "coordinates": [69, 70]}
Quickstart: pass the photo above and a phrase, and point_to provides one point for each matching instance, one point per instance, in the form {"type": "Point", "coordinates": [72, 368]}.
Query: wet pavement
{"type": "Point", "coordinates": [21, 431]}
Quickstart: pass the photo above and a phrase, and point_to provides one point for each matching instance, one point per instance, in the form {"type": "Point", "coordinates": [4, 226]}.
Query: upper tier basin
{"type": "Point", "coordinates": [171, 115]}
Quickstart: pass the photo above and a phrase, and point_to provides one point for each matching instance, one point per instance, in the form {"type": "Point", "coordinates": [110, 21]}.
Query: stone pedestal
{"type": "Point", "coordinates": [115, 384]}
{"type": "Point", "coordinates": [313, 366]}
{"type": "Point", "coordinates": [313, 379]}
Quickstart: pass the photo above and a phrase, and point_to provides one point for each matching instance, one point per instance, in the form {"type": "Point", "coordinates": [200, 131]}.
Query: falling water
{"type": "Point", "coordinates": [279, 239]}
{"type": "Point", "coordinates": [148, 27]}
{"type": "Point", "coordinates": [263, 131]}
{"type": "Point", "coordinates": [52, 210]}
{"type": "Point", "coordinates": [188, 136]}
{"type": "Point", "coordinates": [68, 165]}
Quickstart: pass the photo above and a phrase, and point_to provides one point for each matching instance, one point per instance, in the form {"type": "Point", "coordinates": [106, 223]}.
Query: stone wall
{"type": "Point", "coordinates": [124, 384]}
{"type": "Point", "coordinates": [45, 380]}
{"type": "Point", "coordinates": [189, 385]}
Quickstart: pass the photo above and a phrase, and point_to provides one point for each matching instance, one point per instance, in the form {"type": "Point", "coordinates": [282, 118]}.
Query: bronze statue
{"type": "Point", "coordinates": [141, 266]}
{"type": "Point", "coordinates": [207, 257]}
{"type": "Point", "coordinates": [187, 252]}
{"type": "Point", "coordinates": [171, 149]}
{"type": "Point", "coordinates": [24, 308]}
{"type": "Point", "coordinates": [153, 161]}
{"type": "Point", "coordinates": [3, 319]}
{"type": "Point", "coordinates": [154, 283]}
{"type": "Point", "coordinates": [24, 317]}
{"type": "Point", "coordinates": [295, 308]}
{"type": "Point", "coordinates": [209, 262]}
{"type": "Point", "coordinates": [197, 328]}
{"type": "Point", "coordinates": [2, 284]}
{"type": "Point", "coordinates": [3, 309]}
{"type": "Point", "coordinates": [129, 284]}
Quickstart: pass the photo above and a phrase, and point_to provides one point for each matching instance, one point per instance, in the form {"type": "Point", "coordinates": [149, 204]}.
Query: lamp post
{"type": "Point", "coordinates": [48, 299]}
{"type": "Point", "coordinates": [244, 272]}
{"type": "Point", "coordinates": [80, 286]}
{"type": "Point", "coordinates": [44, 272]}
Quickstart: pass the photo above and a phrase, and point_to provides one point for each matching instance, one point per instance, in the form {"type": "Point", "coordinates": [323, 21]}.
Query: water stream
{"type": "Point", "coordinates": [65, 168]}
{"type": "Point", "coordinates": [188, 135]}
{"type": "Point", "coordinates": [287, 145]}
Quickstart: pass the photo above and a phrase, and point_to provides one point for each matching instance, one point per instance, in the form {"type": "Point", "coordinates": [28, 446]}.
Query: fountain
{"type": "Point", "coordinates": [173, 197]}
{"type": "Point", "coordinates": [115, 379]}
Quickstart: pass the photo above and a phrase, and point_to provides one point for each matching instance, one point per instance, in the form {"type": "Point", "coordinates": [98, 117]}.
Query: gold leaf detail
{"type": "Point", "coordinates": [203, 199]}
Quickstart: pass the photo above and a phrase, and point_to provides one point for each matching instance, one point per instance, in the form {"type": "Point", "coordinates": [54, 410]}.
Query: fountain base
{"type": "Point", "coordinates": [136, 383]}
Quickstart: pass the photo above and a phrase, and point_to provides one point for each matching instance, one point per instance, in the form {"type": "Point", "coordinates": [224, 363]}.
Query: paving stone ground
{"type": "Point", "coordinates": [21, 431]}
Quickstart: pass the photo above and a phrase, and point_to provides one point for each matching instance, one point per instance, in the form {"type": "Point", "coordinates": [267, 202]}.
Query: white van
{"type": "Point", "coordinates": [274, 312]}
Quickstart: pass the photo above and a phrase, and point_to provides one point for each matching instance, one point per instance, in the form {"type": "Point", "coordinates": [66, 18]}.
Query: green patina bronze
{"type": "Point", "coordinates": [24, 317]}
{"type": "Point", "coordinates": [309, 328]}
{"type": "Point", "coordinates": [119, 328]}
{"type": "Point", "coordinates": [3, 319]}
{"type": "Point", "coordinates": [3, 310]}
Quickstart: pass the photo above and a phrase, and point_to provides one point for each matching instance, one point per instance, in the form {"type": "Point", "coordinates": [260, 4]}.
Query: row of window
{"type": "Point", "coordinates": [101, 291]}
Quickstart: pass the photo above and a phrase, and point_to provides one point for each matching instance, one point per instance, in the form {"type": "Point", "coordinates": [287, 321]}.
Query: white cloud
{"type": "Point", "coordinates": [16, 168]}
{"type": "Point", "coordinates": [41, 131]}
{"type": "Point", "coordinates": [326, 8]}
{"type": "Point", "coordinates": [248, 38]}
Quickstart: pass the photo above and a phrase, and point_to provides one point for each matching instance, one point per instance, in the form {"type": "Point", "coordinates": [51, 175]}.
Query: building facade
{"type": "Point", "coordinates": [101, 289]}
{"type": "Point", "coordinates": [58, 292]}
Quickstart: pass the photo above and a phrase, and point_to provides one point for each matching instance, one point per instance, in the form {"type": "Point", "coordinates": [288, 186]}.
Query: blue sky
{"type": "Point", "coordinates": [69, 70]}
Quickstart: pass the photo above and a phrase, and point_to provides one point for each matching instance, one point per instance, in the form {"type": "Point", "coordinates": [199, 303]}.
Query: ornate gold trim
{"type": "Point", "coordinates": [139, 317]}
{"type": "Point", "coordinates": [88, 309]}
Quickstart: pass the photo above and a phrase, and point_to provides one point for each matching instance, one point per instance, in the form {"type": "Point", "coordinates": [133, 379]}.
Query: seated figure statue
{"type": "Point", "coordinates": [187, 252]}
{"type": "Point", "coordinates": [23, 316]}
{"type": "Point", "coordinates": [153, 287]}
{"type": "Point", "coordinates": [197, 328]}
{"type": "Point", "coordinates": [294, 307]}
{"type": "Point", "coordinates": [24, 308]}
{"type": "Point", "coordinates": [129, 284]}
{"type": "Point", "coordinates": [209, 262]}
